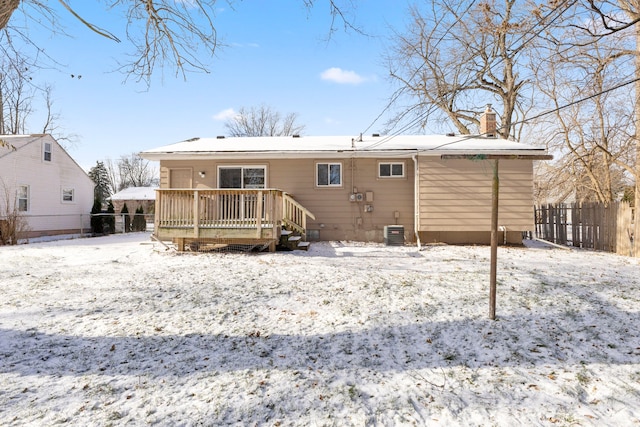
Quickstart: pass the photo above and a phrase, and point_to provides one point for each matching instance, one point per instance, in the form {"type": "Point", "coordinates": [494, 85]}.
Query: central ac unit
{"type": "Point", "coordinates": [394, 235]}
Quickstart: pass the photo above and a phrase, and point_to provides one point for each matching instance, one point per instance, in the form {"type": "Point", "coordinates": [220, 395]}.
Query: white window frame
{"type": "Point", "coordinates": [328, 184]}
{"type": "Point", "coordinates": [68, 190]}
{"type": "Point", "coordinates": [26, 198]}
{"type": "Point", "coordinates": [391, 165]}
{"type": "Point", "coordinates": [242, 168]}
{"type": "Point", "coordinates": [47, 148]}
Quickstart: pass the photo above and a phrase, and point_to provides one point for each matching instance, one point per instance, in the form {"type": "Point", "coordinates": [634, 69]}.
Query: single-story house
{"type": "Point", "coordinates": [44, 185]}
{"type": "Point", "coordinates": [394, 189]}
{"type": "Point", "coordinates": [135, 197]}
{"type": "Point", "coordinates": [430, 188]}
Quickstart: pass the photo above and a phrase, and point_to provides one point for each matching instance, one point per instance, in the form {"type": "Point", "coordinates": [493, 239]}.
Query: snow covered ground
{"type": "Point", "coordinates": [117, 331]}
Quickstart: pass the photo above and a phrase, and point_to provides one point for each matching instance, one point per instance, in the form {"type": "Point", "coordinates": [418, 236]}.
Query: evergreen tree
{"type": "Point", "coordinates": [110, 220]}
{"type": "Point", "coordinates": [127, 218]}
{"type": "Point", "coordinates": [96, 220]}
{"type": "Point", "coordinates": [139, 222]}
{"type": "Point", "coordinates": [100, 177]}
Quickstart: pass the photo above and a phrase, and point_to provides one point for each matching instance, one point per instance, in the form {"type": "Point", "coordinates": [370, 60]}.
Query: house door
{"type": "Point", "coordinates": [240, 206]}
{"type": "Point", "coordinates": [179, 178]}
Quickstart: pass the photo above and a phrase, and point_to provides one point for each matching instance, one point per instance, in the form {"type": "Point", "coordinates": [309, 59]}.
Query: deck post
{"type": "Point", "coordinates": [277, 210]}
{"type": "Point", "coordinates": [259, 205]}
{"type": "Point", "coordinates": [196, 216]}
{"type": "Point", "coordinates": [156, 214]}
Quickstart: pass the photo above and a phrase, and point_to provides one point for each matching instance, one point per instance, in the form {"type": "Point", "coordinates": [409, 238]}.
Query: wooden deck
{"type": "Point", "coordinates": [232, 216]}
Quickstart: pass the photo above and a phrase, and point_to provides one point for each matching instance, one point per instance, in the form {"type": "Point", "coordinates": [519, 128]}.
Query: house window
{"type": "Point", "coordinates": [67, 195]}
{"type": "Point", "coordinates": [47, 151]}
{"type": "Point", "coordinates": [391, 170]}
{"type": "Point", "coordinates": [242, 177]}
{"type": "Point", "coordinates": [329, 174]}
{"type": "Point", "coordinates": [23, 198]}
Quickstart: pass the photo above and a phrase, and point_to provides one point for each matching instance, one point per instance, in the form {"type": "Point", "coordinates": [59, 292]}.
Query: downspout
{"type": "Point", "coordinates": [504, 234]}
{"type": "Point", "coordinates": [416, 199]}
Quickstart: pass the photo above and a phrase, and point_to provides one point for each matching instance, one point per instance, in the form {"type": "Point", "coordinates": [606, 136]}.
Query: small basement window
{"type": "Point", "coordinates": [391, 170]}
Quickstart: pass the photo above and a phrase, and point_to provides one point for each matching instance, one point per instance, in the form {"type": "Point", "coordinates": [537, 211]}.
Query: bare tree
{"type": "Point", "coordinates": [16, 96]}
{"type": "Point", "coordinates": [592, 139]}
{"type": "Point", "coordinates": [263, 121]}
{"type": "Point", "coordinates": [19, 96]}
{"type": "Point", "coordinates": [618, 16]}
{"type": "Point", "coordinates": [13, 225]}
{"type": "Point", "coordinates": [181, 34]}
{"type": "Point", "coordinates": [129, 171]}
{"type": "Point", "coordinates": [458, 56]}
{"type": "Point", "coordinates": [113, 176]}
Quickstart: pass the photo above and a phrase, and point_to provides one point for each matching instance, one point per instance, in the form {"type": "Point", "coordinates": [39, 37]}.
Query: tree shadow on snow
{"type": "Point", "coordinates": [514, 341]}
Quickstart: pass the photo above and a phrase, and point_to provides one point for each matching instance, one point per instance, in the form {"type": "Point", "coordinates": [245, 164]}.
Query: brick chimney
{"type": "Point", "coordinates": [488, 123]}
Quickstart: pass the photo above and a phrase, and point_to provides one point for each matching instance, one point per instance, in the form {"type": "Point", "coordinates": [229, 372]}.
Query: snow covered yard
{"type": "Point", "coordinates": [115, 330]}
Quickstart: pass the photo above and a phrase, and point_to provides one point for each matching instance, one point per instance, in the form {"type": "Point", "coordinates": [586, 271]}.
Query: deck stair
{"type": "Point", "coordinates": [291, 240]}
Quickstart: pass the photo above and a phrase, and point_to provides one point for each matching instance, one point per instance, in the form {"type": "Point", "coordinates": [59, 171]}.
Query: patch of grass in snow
{"type": "Point", "coordinates": [583, 377]}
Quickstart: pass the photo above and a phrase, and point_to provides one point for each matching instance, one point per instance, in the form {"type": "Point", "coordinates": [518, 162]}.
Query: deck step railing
{"type": "Point", "coordinates": [295, 215]}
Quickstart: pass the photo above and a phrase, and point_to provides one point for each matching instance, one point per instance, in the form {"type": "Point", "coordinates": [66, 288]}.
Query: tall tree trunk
{"type": "Point", "coordinates": [636, 202]}
{"type": "Point", "coordinates": [7, 7]}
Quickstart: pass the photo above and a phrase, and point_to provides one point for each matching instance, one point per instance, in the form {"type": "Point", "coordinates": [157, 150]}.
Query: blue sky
{"type": "Point", "coordinates": [277, 53]}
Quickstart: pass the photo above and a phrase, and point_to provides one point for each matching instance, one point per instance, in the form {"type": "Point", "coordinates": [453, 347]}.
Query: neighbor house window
{"type": "Point", "coordinates": [47, 151]}
{"type": "Point", "coordinates": [242, 177]}
{"type": "Point", "coordinates": [391, 170]}
{"type": "Point", "coordinates": [329, 174]}
{"type": "Point", "coordinates": [67, 195]}
{"type": "Point", "coordinates": [23, 198]}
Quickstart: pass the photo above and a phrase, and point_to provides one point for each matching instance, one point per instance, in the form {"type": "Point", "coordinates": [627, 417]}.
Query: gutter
{"type": "Point", "coordinates": [416, 199]}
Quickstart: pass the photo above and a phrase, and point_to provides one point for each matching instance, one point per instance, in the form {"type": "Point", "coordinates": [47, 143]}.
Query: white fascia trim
{"type": "Point", "coordinates": [398, 154]}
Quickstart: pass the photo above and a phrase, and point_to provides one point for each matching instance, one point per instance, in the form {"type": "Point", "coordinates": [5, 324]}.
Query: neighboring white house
{"type": "Point", "coordinates": [46, 186]}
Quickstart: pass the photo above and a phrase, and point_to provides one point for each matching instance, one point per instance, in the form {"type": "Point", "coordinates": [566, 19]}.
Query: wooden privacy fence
{"type": "Point", "coordinates": [587, 225]}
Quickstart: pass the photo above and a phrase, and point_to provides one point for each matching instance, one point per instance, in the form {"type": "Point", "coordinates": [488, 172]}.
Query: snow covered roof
{"type": "Point", "coordinates": [330, 146]}
{"type": "Point", "coordinates": [136, 193]}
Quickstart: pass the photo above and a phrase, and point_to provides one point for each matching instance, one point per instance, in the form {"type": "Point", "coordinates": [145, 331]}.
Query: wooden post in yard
{"type": "Point", "coordinates": [495, 189]}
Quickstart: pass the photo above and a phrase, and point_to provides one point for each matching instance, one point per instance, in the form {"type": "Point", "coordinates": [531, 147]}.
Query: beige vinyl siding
{"type": "Point", "coordinates": [180, 177]}
{"type": "Point", "coordinates": [455, 195]}
{"type": "Point", "coordinates": [337, 218]}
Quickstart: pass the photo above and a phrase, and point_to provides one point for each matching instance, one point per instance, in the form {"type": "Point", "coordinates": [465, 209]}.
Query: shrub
{"type": "Point", "coordinates": [126, 218]}
{"type": "Point", "coordinates": [97, 221]}
{"type": "Point", "coordinates": [110, 220]}
{"type": "Point", "coordinates": [139, 222]}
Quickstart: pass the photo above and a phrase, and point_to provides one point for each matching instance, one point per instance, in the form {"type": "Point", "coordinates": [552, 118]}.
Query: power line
{"type": "Point", "coordinates": [578, 101]}
{"type": "Point", "coordinates": [397, 95]}
{"type": "Point", "coordinates": [555, 110]}
{"type": "Point", "coordinates": [560, 9]}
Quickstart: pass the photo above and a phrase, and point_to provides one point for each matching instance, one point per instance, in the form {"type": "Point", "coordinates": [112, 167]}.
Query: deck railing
{"type": "Point", "coordinates": [295, 215]}
{"type": "Point", "coordinates": [228, 209]}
